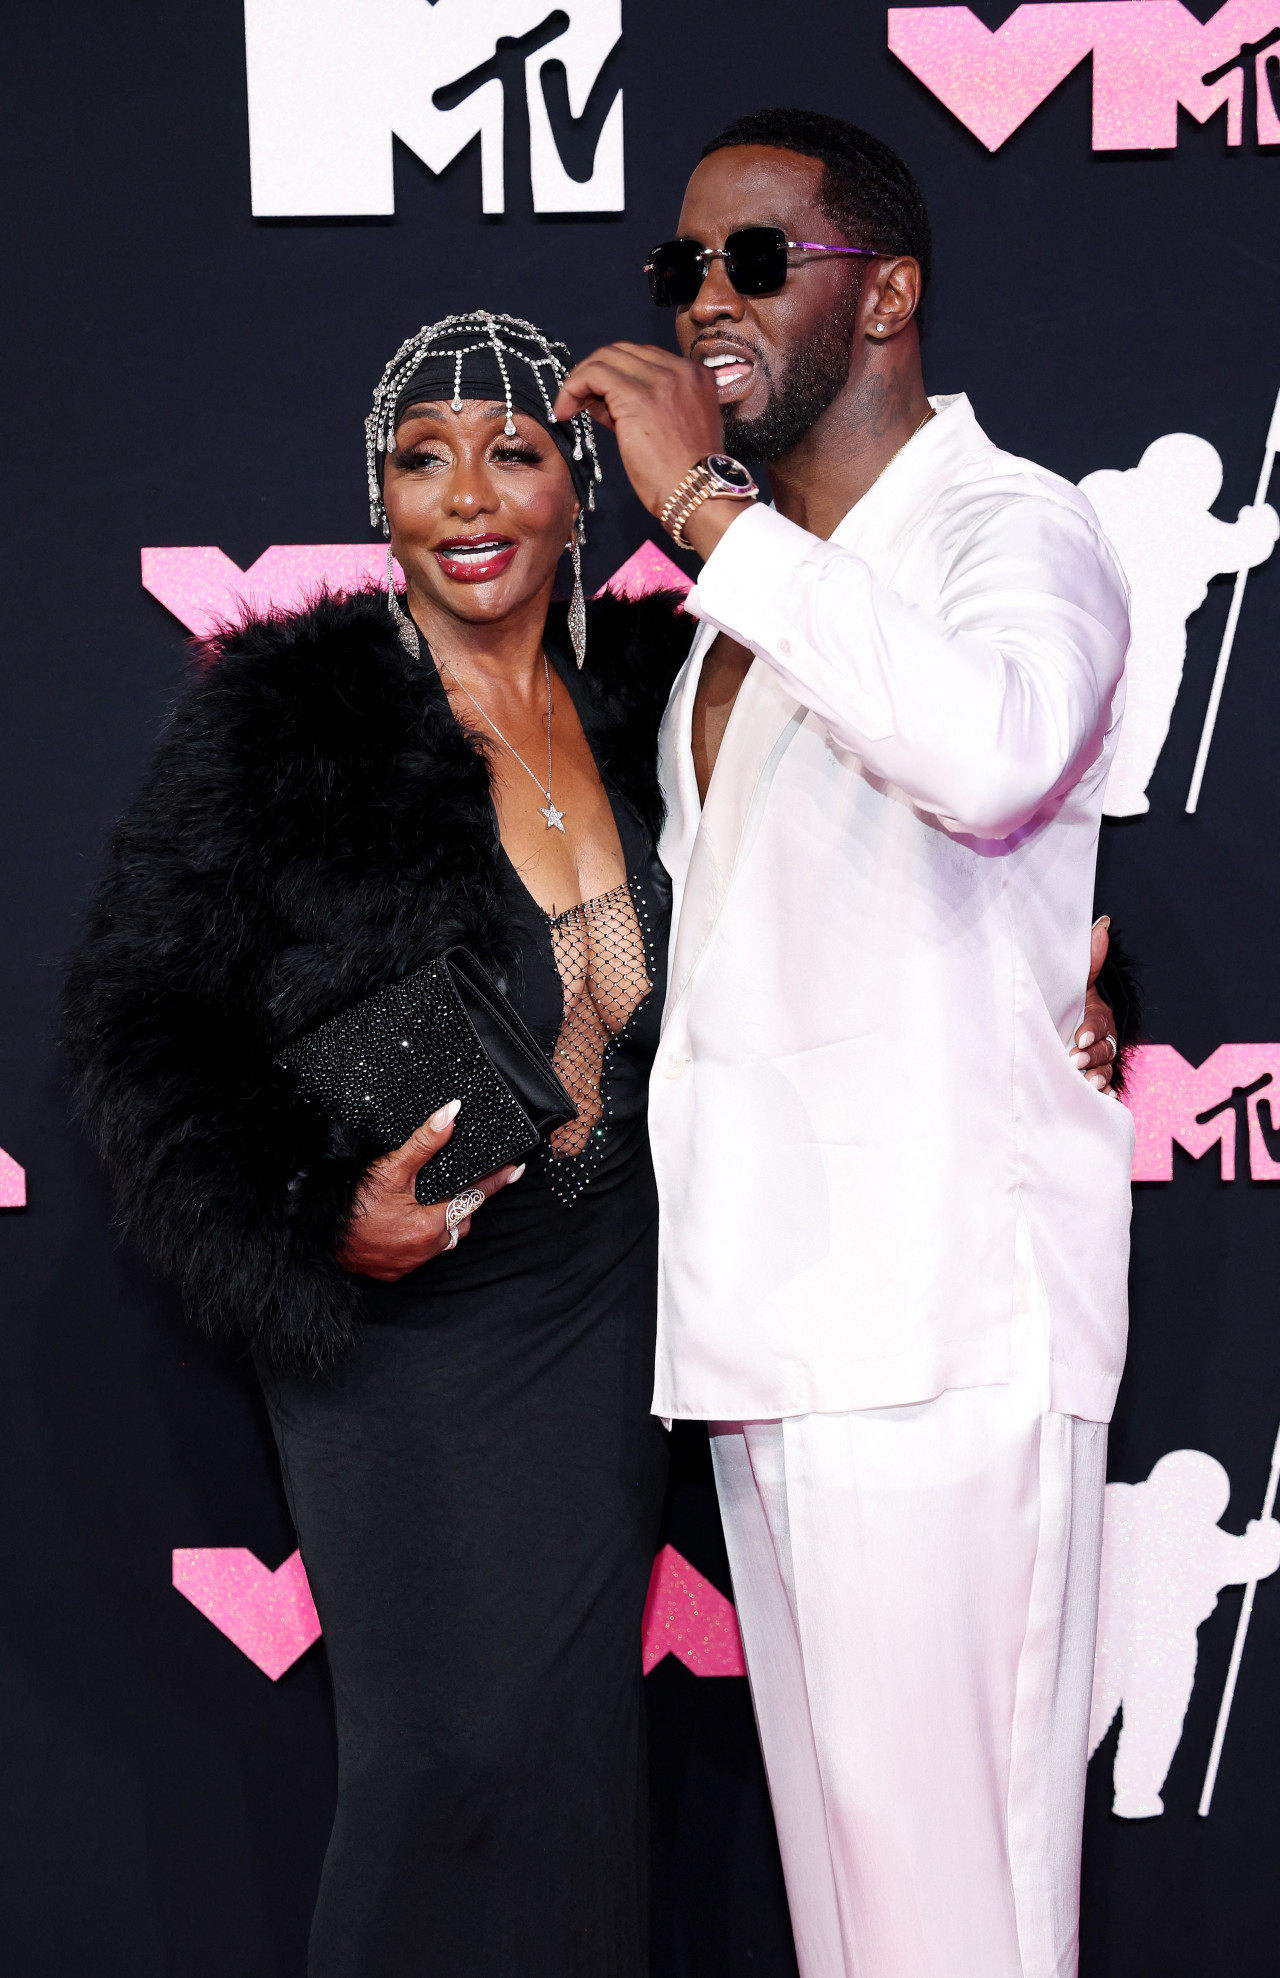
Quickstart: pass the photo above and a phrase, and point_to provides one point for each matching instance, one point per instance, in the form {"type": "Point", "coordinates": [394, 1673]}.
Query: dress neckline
{"type": "Point", "coordinates": [618, 806]}
{"type": "Point", "coordinates": [580, 906]}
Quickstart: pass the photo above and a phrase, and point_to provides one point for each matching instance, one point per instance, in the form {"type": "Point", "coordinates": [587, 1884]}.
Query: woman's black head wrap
{"type": "Point", "coordinates": [479, 356]}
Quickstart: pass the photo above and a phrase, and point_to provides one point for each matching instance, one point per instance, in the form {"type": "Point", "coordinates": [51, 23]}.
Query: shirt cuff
{"type": "Point", "coordinates": [748, 565]}
{"type": "Point", "coordinates": [763, 583]}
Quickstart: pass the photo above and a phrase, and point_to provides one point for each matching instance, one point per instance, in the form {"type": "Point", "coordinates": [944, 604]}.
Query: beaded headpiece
{"type": "Point", "coordinates": [474, 351]}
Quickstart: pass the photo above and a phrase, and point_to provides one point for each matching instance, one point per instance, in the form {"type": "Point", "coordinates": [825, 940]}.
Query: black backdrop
{"type": "Point", "coordinates": [176, 372]}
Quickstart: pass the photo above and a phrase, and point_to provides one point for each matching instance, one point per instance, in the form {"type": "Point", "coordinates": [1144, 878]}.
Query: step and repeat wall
{"type": "Point", "coordinates": [219, 222]}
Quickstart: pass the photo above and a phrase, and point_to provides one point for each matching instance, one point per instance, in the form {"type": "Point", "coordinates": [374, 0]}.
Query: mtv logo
{"type": "Point", "coordinates": [1232, 1101]}
{"type": "Point", "coordinates": [331, 82]}
{"type": "Point", "coordinates": [1149, 56]}
{"type": "Point", "coordinates": [205, 590]}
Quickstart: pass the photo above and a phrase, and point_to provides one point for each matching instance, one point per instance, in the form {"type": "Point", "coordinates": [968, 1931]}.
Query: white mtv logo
{"type": "Point", "coordinates": [331, 81]}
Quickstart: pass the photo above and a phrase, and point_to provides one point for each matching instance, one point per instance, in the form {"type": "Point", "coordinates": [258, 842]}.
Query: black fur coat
{"type": "Point", "coordinates": [315, 823]}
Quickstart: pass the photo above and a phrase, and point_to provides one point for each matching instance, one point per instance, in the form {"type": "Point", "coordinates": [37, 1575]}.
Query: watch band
{"type": "Point", "coordinates": [700, 484]}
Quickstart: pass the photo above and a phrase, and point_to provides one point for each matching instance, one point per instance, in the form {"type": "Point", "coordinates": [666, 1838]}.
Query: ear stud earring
{"type": "Point", "coordinates": [880, 327]}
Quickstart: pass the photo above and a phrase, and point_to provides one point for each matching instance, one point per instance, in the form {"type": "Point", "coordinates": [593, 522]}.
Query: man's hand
{"type": "Point", "coordinates": [390, 1233]}
{"type": "Point", "coordinates": [662, 409]}
{"type": "Point", "coordinates": [1094, 1050]}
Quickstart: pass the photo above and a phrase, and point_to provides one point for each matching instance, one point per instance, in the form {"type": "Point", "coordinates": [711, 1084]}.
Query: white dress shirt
{"type": "Point", "coordinates": [879, 951]}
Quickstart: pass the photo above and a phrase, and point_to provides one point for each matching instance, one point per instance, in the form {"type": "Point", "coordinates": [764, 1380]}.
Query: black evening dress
{"type": "Point", "coordinates": [477, 1489]}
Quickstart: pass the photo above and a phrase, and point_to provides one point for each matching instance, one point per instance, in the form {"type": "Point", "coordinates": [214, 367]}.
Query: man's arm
{"type": "Point", "coordinates": [663, 412]}
{"type": "Point", "coordinates": [980, 709]}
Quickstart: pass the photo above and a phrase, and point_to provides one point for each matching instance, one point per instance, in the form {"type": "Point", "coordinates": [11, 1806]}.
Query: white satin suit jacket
{"type": "Point", "coordinates": [880, 948]}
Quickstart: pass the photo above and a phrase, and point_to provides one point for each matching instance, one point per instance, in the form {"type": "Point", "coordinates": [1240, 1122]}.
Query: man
{"type": "Point", "coordinates": [894, 1221]}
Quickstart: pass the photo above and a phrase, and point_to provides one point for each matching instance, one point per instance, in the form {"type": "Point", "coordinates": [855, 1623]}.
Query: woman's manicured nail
{"type": "Point", "coordinates": [516, 1173]}
{"type": "Point", "coordinates": [1096, 1078]}
{"type": "Point", "coordinates": [445, 1116]}
{"type": "Point", "coordinates": [1084, 1039]}
{"type": "Point", "coordinates": [1103, 920]}
{"type": "Point", "coordinates": [1079, 1059]}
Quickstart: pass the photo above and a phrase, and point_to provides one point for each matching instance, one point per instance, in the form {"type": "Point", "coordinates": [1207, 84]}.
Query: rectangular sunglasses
{"type": "Point", "coordinates": [755, 261]}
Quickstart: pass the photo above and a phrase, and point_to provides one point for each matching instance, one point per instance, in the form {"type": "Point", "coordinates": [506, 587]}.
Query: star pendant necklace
{"type": "Point", "coordinates": [554, 817]}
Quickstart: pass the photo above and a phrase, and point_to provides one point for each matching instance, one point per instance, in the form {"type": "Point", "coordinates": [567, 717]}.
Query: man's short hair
{"type": "Point", "coordinates": [866, 190]}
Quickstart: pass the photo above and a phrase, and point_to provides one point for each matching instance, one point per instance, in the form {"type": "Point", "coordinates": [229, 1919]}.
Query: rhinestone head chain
{"type": "Point", "coordinates": [507, 337]}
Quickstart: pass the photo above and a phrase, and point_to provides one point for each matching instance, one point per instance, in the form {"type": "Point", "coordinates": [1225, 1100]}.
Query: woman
{"type": "Point", "coordinates": [460, 1394]}
{"type": "Point", "coordinates": [461, 1402]}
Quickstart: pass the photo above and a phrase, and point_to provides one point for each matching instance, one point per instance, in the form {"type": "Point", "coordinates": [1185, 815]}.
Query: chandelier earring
{"type": "Point", "coordinates": [578, 603]}
{"type": "Point", "coordinates": [406, 630]}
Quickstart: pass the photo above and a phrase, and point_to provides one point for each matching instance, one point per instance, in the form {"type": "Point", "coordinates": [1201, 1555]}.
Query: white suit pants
{"type": "Point", "coordinates": [917, 1590]}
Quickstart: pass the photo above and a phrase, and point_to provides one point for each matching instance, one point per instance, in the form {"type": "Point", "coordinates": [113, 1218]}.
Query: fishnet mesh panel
{"type": "Point", "coordinates": [599, 951]}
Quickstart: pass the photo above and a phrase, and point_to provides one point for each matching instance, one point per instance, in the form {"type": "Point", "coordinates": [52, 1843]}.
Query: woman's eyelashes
{"type": "Point", "coordinates": [506, 453]}
{"type": "Point", "coordinates": [411, 459]}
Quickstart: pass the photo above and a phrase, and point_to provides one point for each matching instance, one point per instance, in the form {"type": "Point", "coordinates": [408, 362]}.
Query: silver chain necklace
{"type": "Point", "coordinates": [554, 817]}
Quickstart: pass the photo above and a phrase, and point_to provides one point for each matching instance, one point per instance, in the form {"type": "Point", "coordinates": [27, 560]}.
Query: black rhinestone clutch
{"type": "Point", "coordinates": [445, 1032]}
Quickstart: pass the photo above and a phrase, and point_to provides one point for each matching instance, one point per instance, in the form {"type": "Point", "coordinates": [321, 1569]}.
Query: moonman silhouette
{"type": "Point", "coordinates": [1156, 517]}
{"type": "Point", "coordinates": [1165, 1560]}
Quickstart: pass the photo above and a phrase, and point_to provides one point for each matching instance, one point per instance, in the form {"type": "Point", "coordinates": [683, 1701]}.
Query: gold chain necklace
{"type": "Point", "coordinates": [554, 817]}
{"type": "Point", "coordinates": [929, 414]}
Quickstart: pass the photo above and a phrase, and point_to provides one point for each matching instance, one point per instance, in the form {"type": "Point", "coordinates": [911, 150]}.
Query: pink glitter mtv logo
{"type": "Point", "coordinates": [1231, 1101]}
{"type": "Point", "coordinates": [203, 588]}
{"type": "Point", "coordinates": [271, 1617]}
{"type": "Point", "coordinates": [1149, 56]}
{"type": "Point", "coordinates": [13, 1183]}
{"type": "Point", "coordinates": [687, 1617]}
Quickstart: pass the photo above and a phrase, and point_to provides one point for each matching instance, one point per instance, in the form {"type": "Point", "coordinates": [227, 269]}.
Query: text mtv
{"type": "Point", "coordinates": [332, 81]}
{"type": "Point", "coordinates": [1232, 1099]}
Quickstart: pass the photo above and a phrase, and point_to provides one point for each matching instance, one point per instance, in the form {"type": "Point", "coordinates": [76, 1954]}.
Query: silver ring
{"type": "Point", "coordinates": [462, 1206]}
{"type": "Point", "coordinates": [1111, 1040]}
{"type": "Point", "coordinates": [452, 1244]}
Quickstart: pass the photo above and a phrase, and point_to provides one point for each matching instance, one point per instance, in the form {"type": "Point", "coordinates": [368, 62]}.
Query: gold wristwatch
{"type": "Point", "coordinates": [719, 474]}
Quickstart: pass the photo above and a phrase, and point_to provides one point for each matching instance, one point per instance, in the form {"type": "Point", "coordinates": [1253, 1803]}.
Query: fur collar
{"type": "Point", "coordinates": [315, 823]}
{"type": "Point", "coordinates": [364, 809]}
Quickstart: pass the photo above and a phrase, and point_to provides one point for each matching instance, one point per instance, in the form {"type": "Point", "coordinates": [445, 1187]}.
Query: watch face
{"type": "Point", "coordinates": [730, 471]}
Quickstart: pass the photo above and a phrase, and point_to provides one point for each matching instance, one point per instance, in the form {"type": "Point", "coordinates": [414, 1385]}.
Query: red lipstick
{"type": "Point", "coordinates": [474, 559]}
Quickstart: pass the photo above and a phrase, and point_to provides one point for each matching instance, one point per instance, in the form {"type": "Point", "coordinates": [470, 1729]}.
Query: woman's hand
{"type": "Point", "coordinates": [390, 1233]}
{"type": "Point", "coordinates": [1093, 1052]}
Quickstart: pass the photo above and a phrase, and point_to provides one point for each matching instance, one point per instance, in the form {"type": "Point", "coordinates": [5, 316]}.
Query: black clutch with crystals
{"type": "Point", "coordinates": [445, 1032]}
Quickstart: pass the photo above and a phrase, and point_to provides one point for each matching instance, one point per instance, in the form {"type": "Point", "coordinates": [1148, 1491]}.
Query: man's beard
{"type": "Point", "coordinates": [814, 378]}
